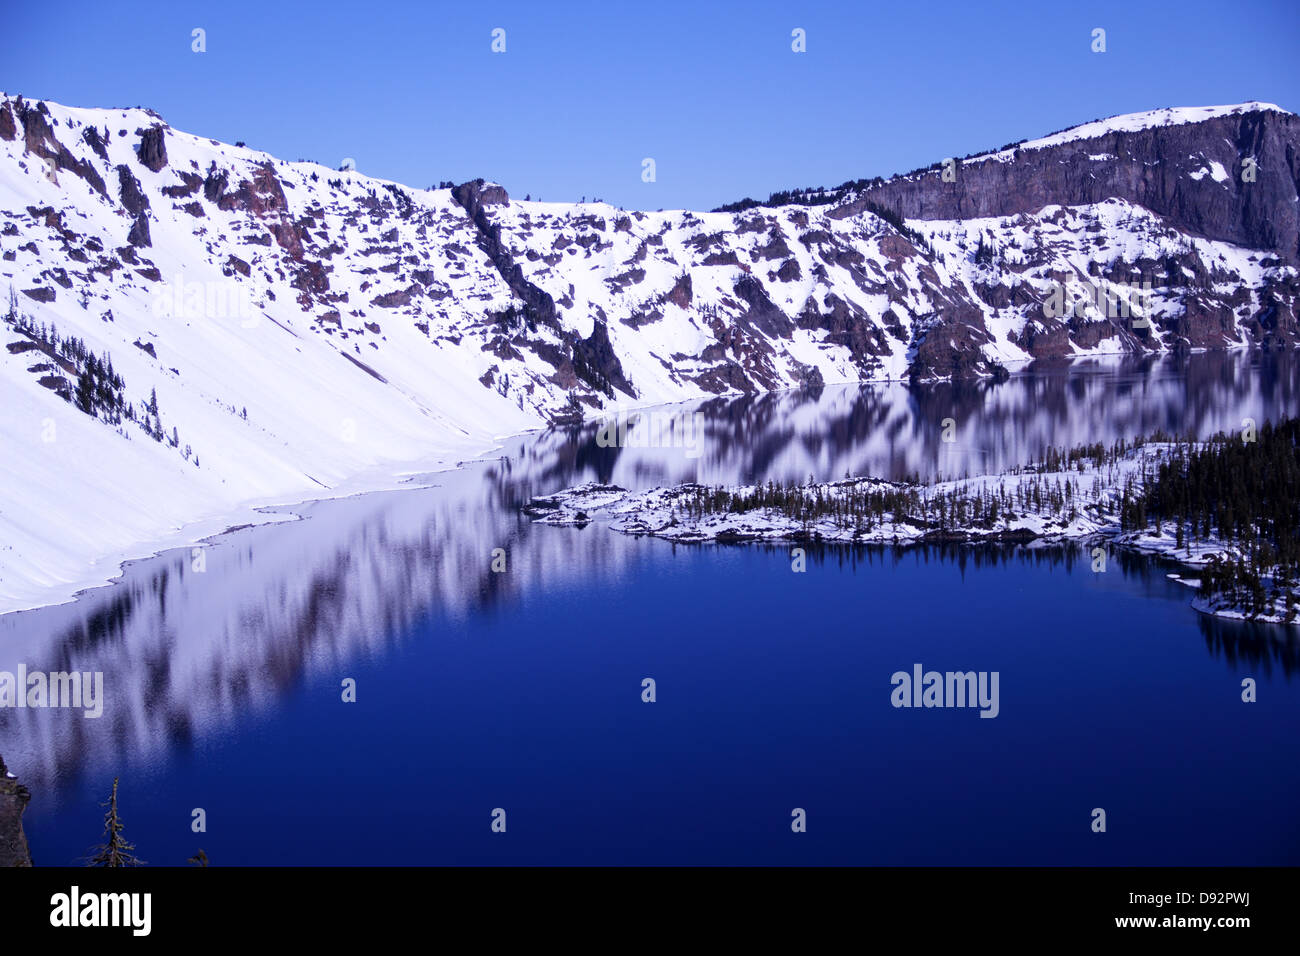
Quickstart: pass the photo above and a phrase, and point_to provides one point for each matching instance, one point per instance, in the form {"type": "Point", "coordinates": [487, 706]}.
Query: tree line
{"type": "Point", "coordinates": [97, 389]}
{"type": "Point", "coordinates": [1234, 493]}
{"type": "Point", "coordinates": [1236, 489]}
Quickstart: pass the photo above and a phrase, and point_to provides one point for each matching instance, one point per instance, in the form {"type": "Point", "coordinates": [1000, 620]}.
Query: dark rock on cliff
{"type": "Point", "coordinates": [951, 350]}
{"type": "Point", "coordinates": [134, 201]}
{"type": "Point", "coordinates": [477, 193]}
{"type": "Point", "coordinates": [39, 139]}
{"type": "Point", "coordinates": [153, 149]}
{"type": "Point", "coordinates": [190, 184]}
{"type": "Point", "coordinates": [93, 140]}
{"type": "Point", "coordinates": [539, 307]}
{"type": "Point", "coordinates": [14, 798]}
{"type": "Point", "coordinates": [1148, 167]}
{"type": "Point", "coordinates": [262, 197]}
{"type": "Point", "coordinates": [846, 325]}
{"type": "Point", "coordinates": [139, 234]}
{"type": "Point", "coordinates": [214, 185]}
{"type": "Point", "coordinates": [596, 364]}
{"type": "Point", "coordinates": [762, 314]}
{"type": "Point", "coordinates": [681, 293]}
{"type": "Point", "coordinates": [392, 300]}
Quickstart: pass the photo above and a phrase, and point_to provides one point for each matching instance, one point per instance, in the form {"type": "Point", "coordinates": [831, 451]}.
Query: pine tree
{"type": "Point", "coordinates": [152, 421]}
{"type": "Point", "coordinates": [115, 851]}
{"type": "Point", "coordinates": [85, 396]}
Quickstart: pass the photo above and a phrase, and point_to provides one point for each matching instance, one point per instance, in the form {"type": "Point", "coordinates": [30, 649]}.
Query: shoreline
{"type": "Point", "coordinates": [251, 514]}
{"type": "Point", "coordinates": [693, 513]}
{"type": "Point", "coordinates": [108, 569]}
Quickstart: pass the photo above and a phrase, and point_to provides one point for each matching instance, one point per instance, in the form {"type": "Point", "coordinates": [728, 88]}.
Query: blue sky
{"type": "Point", "coordinates": [586, 90]}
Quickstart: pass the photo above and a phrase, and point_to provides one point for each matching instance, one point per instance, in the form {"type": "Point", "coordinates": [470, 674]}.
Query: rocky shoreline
{"type": "Point", "coordinates": [14, 798]}
{"type": "Point", "coordinates": [1080, 501]}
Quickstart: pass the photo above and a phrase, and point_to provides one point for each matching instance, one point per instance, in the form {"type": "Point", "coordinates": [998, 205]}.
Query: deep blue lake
{"type": "Point", "coordinates": [522, 690]}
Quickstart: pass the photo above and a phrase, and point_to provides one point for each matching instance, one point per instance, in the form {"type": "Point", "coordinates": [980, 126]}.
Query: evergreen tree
{"type": "Point", "coordinates": [115, 851]}
{"type": "Point", "coordinates": [85, 395]}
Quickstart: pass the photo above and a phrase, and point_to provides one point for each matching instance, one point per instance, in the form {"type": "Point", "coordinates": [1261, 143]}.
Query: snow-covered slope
{"type": "Point", "coordinates": [279, 331]}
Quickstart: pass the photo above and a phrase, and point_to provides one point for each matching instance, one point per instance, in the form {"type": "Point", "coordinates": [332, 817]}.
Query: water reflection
{"type": "Point", "coordinates": [895, 430]}
{"type": "Point", "coordinates": [185, 652]}
{"type": "Point", "coordinates": [1260, 646]}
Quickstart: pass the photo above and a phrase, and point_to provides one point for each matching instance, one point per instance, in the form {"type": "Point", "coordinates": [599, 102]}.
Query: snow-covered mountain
{"type": "Point", "coordinates": [198, 328]}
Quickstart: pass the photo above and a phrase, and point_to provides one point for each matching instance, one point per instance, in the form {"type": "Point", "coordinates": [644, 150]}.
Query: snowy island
{"type": "Point", "coordinates": [1223, 507]}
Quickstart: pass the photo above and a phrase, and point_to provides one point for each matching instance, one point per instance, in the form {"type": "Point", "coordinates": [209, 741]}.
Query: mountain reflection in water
{"type": "Point", "coordinates": [186, 652]}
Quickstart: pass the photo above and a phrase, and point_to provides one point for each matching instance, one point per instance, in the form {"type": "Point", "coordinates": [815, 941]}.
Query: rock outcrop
{"type": "Point", "coordinates": [153, 148]}
{"type": "Point", "coordinates": [1230, 177]}
{"type": "Point", "coordinates": [14, 798]}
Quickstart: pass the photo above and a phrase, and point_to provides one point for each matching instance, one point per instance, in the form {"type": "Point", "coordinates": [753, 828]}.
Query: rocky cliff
{"type": "Point", "coordinates": [567, 308]}
{"type": "Point", "coordinates": [215, 325]}
{"type": "Point", "coordinates": [1229, 174]}
{"type": "Point", "coordinates": [13, 801]}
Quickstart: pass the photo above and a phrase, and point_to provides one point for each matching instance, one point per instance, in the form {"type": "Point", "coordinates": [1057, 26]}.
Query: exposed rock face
{"type": "Point", "coordinates": [134, 201]}
{"type": "Point", "coordinates": [591, 360]}
{"type": "Point", "coordinates": [190, 184]}
{"type": "Point", "coordinates": [681, 295]}
{"type": "Point", "coordinates": [14, 798]}
{"type": "Point", "coordinates": [845, 324]}
{"type": "Point", "coordinates": [595, 362]}
{"type": "Point", "coordinates": [539, 307]}
{"type": "Point", "coordinates": [153, 148]}
{"type": "Point", "coordinates": [93, 140]}
{"type": "Point", "coordinates": [392, 300]}
{"type": "Point", "coordinates": [8, 129]}
{"type": "Point", "coordinates": [477, 193]}
{"type": "Point", "coordinates": [761, 313]}
{"type": "Point", "coordinates": [39, 138]}
{"type": "Point", "coordinates": [214, 186]}
{"type": "Point", "coordinates": [262, 196]}
{"type": "Point", "coordinates": [139, 234]}
{"type": "Point", "coordinates": [1153, 168]}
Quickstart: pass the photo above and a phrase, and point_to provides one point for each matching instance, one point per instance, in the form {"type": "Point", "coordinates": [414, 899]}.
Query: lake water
{"type": "Point", "coordinates": [522, 690]}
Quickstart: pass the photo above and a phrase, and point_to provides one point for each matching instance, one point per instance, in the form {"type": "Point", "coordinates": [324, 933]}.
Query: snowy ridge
{"type": "Point", "coordinates": [310, 332]}
{"type": "Point", "coordinates": [1131, 123]}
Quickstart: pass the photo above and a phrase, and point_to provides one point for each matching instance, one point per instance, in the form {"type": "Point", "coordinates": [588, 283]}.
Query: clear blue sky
{"type": "Point", "coordinates": [586, 90]}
